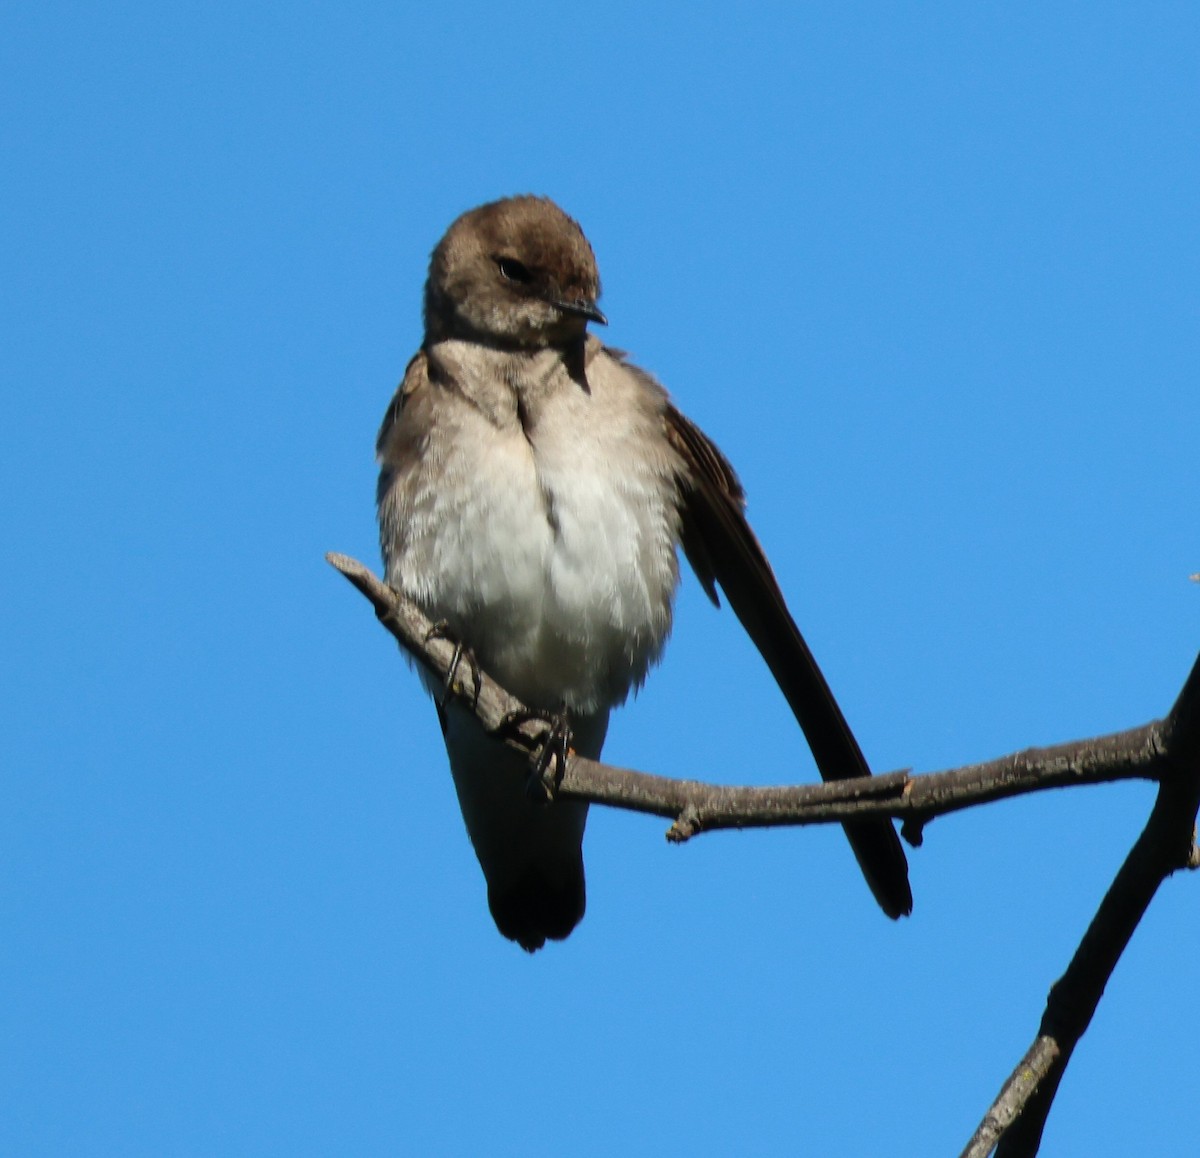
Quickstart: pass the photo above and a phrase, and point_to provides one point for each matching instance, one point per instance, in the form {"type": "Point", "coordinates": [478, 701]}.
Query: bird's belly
{"type": "Point", "coordinates": [560, 581]}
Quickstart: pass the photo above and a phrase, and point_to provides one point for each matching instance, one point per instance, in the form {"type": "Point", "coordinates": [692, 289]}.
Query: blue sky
{"type": "Point", "coordinates": [927, 275]}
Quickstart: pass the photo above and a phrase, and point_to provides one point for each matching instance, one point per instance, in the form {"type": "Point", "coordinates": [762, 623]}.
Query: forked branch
{"type": "Point", "coordinates": [1013, 1124]}
{"type": "Point", "coordinates": [1166, 751]}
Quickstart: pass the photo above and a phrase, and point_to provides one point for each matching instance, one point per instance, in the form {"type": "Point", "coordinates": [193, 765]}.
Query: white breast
{"type": "Point", "coordinates": [550, 548]}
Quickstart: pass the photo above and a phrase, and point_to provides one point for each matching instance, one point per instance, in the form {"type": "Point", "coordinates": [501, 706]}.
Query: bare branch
{"type": "Point", "coordinates": [1168, 843]}
{"type": "Point", "coordinates": [1166, 751]}
{"type": "Point", "coordinates": [695, 806]}
{"type": "Point", "coordinates": [1022, 1083]}
{"type": "Point", "coordinates": [418, 635]}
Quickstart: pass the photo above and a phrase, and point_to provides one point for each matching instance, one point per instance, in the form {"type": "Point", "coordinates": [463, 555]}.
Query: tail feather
{"type": "Point", "coordinates": [539, 906]}
{"type": "Point", "coordinates": [531, 852]}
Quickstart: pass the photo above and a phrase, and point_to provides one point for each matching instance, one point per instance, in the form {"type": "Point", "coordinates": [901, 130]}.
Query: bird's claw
{"type": "Point", "coordinates": [441, 630]}
{"type": "Point", "coordinates": [548, 761]}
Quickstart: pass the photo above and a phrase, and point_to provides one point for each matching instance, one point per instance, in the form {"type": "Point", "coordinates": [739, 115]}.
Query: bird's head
{"type": "Point", "coordinates": [516, 272]}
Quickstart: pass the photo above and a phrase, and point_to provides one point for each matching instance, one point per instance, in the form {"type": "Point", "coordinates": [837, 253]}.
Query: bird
{"type": "Point", "coordinates": [535, 488]}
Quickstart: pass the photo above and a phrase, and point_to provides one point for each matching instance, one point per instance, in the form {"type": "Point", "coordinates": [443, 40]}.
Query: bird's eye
{"type": "Point", "coordinates": [513, 270]}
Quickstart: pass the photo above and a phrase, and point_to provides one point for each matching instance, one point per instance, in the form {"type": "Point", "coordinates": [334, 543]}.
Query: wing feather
{"type": "Point", "coordinates": [723, 550]}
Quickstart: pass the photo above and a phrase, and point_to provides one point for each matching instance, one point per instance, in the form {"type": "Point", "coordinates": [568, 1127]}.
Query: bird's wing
{"type": "Point", "coordinates": [416, 375]}
{"type": "Point", "coordinates": [723, 551]}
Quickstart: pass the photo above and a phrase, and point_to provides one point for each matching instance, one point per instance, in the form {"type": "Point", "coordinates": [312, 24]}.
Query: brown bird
{"type": "Point", "coordinates": [534, 487]}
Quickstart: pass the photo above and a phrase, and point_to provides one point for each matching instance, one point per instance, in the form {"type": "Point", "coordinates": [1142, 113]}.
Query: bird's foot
{"type": "Point", "coordinates": [548, 761]}
{"type": "Point", "coordinates": [441, 630]}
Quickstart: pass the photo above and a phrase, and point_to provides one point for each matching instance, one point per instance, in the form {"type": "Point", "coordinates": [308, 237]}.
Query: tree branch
{"type": "Point", "coordinates": [1168, 843]}
{"type": "Point", "coordinates": [695, 806]}
{"type": "Point", "coordinates": [1166, 751]}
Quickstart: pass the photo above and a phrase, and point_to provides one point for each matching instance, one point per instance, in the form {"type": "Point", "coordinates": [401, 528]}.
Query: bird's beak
{"type": "Point", "coordinates": [582, 308]}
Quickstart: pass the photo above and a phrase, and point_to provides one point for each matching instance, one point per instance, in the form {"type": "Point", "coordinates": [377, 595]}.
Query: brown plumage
{"type": "Point", "coordinates": [534, 487]}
